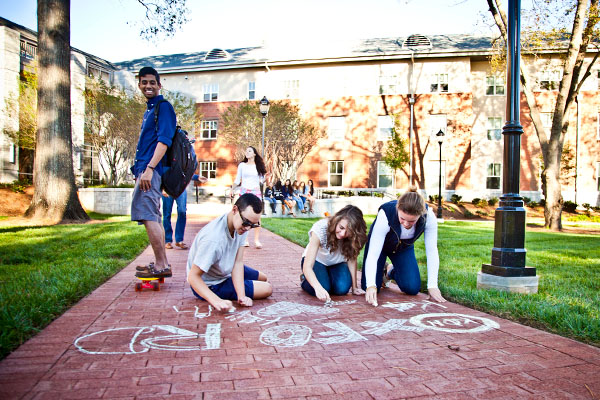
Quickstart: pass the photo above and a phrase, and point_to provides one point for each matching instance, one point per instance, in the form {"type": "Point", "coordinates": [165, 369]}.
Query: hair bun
{"type": "Point", "coordinates": [413, 188]}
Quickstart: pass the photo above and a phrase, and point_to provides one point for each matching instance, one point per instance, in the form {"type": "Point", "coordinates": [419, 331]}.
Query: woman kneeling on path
{"type": "Point", "coordinates": [329, 261]}
{"type": "Point", "coordinates": [398, 225]}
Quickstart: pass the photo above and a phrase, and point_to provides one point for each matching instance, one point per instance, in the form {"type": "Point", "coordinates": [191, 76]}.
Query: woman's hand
{"type": "Point", "coordinates": [436, 295]}
{"type": "Point", "coordinates": [371, 296]}
{"type": "Point", "coordinates": [222, 305]}
{"type": "Point", "coordinates": [322, 294]}
{"type": "Point", "coordinates": [357, 291]}
{"type": "Point", "coordinates": [245, 301]}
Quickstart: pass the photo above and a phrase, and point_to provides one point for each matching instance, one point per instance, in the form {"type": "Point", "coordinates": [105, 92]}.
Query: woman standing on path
{"type": "Point", "coordinates": [329, 261]}
{"type": "Point", "coordinates": [398, 225]}
{"type": "Point", "coordinates": [251, 174]}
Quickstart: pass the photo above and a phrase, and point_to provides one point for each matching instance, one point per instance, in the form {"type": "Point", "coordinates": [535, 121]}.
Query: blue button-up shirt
{"type": "Point", "coordinates": [149, 137]}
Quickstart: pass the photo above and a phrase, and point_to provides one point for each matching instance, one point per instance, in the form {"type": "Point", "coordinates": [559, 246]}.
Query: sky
{"type": "Point", "coordinates": [109, 28]}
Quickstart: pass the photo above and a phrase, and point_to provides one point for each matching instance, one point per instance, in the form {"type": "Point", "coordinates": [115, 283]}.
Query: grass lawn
{"type": "Point", "coordinates": [568, 299]}
{"type": "Point", "coordinates": [45, 270]}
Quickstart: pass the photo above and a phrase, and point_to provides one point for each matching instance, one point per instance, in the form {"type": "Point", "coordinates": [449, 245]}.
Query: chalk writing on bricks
{"type": "Point", "coordinates": [454, 323]}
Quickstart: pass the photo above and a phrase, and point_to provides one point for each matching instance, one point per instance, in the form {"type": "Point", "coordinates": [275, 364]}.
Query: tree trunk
{"type": "Point", "coordinates": [554, 199]}
{"type": "Point", "coordinates": [55, 194]}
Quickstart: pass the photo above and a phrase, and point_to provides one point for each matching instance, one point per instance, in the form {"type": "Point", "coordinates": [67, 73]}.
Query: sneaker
{"type": "Point", "coordinates": [149, 272]}
{"type": "Point", "coordinates": [302, 278]}
{"type": "Point", "coordinates": [387, 275]}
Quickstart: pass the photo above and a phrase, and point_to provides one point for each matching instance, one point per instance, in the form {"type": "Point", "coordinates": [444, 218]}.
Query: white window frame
{"type": "Point", "coordinates": [207, 127]}
{"type": "Point", "coordinates": [252, 90]}
{"type": "Point", "coordinates": [207, 169]}
{"type": "Point", "coordinates": [291, 89]}
{"type": "Point", "coordinates": [439, 83]}
{"type": "Point", "coordinates": [336, 173]}
{"type": "Point", "coordinates": [389, 84]}
{"type": "Point", "coordinates": [382, 165]}
{"type": "Point", "coordinates": [385, 127]}
{"type": "Point", "coordinates": [210, 92]}
{"type": "Point", "coordinates": [494, 128]}
{"type": "Point", "coordinates": [336, 129]}
{"type": "Point", "coordinates": [550, 79]}
{"type": "Point", "coordinates": [546, 118]}
{"type": "Point", "coordinates": [488, 176]}
{"type": "Point", "coordinates": [12, 153]}
{"type": "Point", "coordinates": [494, 85]}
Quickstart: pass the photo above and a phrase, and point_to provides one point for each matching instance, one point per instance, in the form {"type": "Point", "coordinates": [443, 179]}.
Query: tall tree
{"type": "Point", "coordinates": [579, 28]}
{"type": "Point", "coordinates": [288, 137]}
{"type": "Point", "coordinates": [188, 115]}
{"type": "Point", "coordinates": [395, 154]}
{"type": "Point", "coordinates": [55, 194]}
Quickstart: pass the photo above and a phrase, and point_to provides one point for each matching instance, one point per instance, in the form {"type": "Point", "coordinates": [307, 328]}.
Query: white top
{"type": "Point", "coordinates": [324, 256]}
{"type": "Point", "coordinates": [381, 229]}
{"type": "Point", "coordinates": [214, 251]}
{"type": "Point", "coordinates": [247, 176]}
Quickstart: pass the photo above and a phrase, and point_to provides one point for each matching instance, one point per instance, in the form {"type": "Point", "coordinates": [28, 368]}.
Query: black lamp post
{"type": "Point", "coordinates": [264, 110]}
{"type": "Point", "coordinates": [440, 139]}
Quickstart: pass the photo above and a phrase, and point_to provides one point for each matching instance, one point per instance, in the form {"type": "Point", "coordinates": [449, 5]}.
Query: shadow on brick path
{"type": "Point", "coordinates": [121, 344]}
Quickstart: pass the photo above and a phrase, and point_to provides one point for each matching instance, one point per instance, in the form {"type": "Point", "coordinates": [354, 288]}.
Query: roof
{"type": "Point", "coordinates": [330, 52]}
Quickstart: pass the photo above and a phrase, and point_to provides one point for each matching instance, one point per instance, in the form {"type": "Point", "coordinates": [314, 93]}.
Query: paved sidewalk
{"type": "Point", "coordinates": [121, 344]}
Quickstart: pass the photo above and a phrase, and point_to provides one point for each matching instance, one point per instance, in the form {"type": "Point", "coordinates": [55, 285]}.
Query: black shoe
{"type": "Point", "coordinates": [150, 272]}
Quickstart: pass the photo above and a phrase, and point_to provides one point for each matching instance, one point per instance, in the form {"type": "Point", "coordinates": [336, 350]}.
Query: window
{"type": "Point", "coordinates": [546, 119]}
{"type": "Point", "coordinates": [385, 175]}
{"type": "Point", "coordinates": [291, 89]}
{"type": "Point", "coordinates": [211, 92]}
{"type": "Point", "coordinates": [337, 128]}
{"type": "Point", "coordinates": [208, 169]}
{"type": "Point", "coordinates": [99, 73]}
{"type": "Point", "coordinates": [385, 126]}
{"type": "Point", "coordinates": [251, 90]}
{"type": "Point", "coordinates": [336, 172]}
{"type": "Point", "coordinates": [493, 176]}
{"type": "Point", "coordinates": [12, 153]}
{"type": "Point", "coordinates": [28, 50]}
{"type": "Point", "coordinates": [494, 85]}
{"type": "Point", "coordinates": [549, 80]}
{"type": "Point", "coordinates": [439, 83]}
{"type": "Point", "coordinates": [494, 128]}
{"type": "Point", "coordinates": [388, 84]}
{"type": "Point", "coordinates": [209, 129]}
{"type": "Point", "coordinates": [598, 79]}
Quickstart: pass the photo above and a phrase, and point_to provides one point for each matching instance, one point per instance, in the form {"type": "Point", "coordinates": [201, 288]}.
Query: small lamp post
{"type": "Point", "coordinates": [264, 110]}
{"type": "Point", "coordinates": [440, 139]}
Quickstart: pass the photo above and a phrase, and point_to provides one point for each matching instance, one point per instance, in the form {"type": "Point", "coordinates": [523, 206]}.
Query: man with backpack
{"type": "Point", "coordinates": [155, 138]}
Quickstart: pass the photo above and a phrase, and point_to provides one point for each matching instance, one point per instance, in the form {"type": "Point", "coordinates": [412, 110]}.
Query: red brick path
{"type": "Point", "coordinates": [288, 346]}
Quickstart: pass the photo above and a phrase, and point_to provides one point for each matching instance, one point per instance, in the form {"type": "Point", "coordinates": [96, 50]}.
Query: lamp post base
{"type": "Point", "coordinates": [513, 284]}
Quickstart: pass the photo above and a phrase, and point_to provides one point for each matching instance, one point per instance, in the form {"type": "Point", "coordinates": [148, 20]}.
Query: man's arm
{"type": "Point", "coordinates": [146, 177]}
{"type": "Point", "coordinates": [237, 276]}
{"type": "Point", "coordinates": [197, 283]}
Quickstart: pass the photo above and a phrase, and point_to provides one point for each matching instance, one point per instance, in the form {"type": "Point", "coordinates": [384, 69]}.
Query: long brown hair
{"type": "Point", "coordinates": [411, 202]}
{"type": "Point", "coordinates": [260, 164]}
{"type": "Point", "coordinates": [357, 237]}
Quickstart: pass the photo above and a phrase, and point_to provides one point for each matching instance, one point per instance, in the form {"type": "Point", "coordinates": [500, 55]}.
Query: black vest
{"type": "Point", "coordinates": [392, 242]}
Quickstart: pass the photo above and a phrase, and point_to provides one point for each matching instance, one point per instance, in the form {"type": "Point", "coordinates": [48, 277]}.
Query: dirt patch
{"type": "Point", "coordinates": [14, 204]}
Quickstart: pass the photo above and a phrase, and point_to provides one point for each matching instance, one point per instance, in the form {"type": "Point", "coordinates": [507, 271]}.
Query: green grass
{"type": "Point", "coordinates": [45, 270]}
{"type": "Point", "coordinates": [568, 298]}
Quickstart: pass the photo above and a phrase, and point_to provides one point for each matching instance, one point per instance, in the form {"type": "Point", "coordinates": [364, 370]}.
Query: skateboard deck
{"type": "Point", "coordinates": [148, 283]}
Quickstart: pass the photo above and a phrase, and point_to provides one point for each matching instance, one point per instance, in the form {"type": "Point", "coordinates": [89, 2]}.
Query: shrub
{"type": "Point", "coordinates": [532, 204]}
{"type": "Point", "coordinates": [468, 214]}
{"type": "Point", "coordinates": [597, 209]}
{"type": "Point", "coordinates": [378, 194]}
{"type": "Point", "coordinates": [482, 213]}
{"type": "Point", "coordinates": [17, 186]}
{"type": "Point", "coordinates": [455, 198]}
{"type": "Point", "coordinates": [492, 201]}
{"type": "Point", "coordinates": [569, 206]}
{"type": "Point", "coordinates": [435, 198]}
{"type": "Point", "coordinates": [475, 201]}
{"type": "Point", "coordinates": [587, 207]}
{"type": "Point", "coordinates": [526, 200]}
{"type": "Point", "coordinates": [479, 202]}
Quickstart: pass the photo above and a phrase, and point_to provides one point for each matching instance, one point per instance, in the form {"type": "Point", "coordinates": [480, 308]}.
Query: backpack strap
{"type": "Point", "coordinates": [156, 110]}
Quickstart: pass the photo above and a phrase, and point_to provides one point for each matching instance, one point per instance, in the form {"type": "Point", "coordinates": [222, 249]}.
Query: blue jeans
{"type": "Point", "coordinates": [226, 290]}
{"type": "Point", "coordinates": [299, 202]}
{"type": "Point", "coordinates": [405, 271]}
{"type": "Point", "coordinates": [336, 279]}
{"type": "Point", "coordinates": [181, 217]}
{"type": "Point", "coordinates": [272, 203]}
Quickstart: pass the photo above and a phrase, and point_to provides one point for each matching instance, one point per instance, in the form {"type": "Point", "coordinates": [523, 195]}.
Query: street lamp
{"type": "Point", "coordinates": [264, 110]}
{"type": "Point", "coordinates": [440, 139]}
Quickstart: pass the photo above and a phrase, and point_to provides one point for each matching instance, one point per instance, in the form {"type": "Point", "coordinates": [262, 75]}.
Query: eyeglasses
{"type": "Point", "coordinates": [247, 222]}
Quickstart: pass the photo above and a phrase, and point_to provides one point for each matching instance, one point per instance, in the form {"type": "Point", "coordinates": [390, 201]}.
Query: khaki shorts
{"type": "Point", "coordinates": [145, 206]}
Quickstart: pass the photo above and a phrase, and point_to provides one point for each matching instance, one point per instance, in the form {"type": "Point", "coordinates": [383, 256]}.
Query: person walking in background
{"type": "Point", "coordinates": [399, 223]}
{"type": "Point", "coordinates": [269, 196]}
{"type": "Point", "coordinates": [329, 261]}
{"type": "Point", "coordinates": [296, 196]}
{"type": "Point", "coordinates": [181, 217]}
{"type": "Point", "coordinates": [306, 192]}
{"type": "Point", "coordinates": [251, 174]}
{"type": "Point", "coordinates": [288, 200]}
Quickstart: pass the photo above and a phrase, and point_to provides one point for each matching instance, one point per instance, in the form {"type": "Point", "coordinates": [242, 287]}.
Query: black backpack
{"type": "Point", "coordinates": [181, 160]}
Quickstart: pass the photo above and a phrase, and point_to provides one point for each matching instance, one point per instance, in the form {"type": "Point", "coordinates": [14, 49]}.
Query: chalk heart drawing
{"type": "Point", "coordinates": [453, 323]}
{"type": "Point", "coordinates": [144, 338]}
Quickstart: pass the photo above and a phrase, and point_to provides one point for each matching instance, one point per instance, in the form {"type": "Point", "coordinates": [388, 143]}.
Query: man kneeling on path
{"type": "Point", "coordinates": [215, 267]}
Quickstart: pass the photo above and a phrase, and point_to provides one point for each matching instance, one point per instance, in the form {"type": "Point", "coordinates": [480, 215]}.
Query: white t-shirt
{"type": "Point", "coordinates": [247, 177]}
{"type": "Point", "coordinates": [214, 251]}
{"type": "Point", "coordinates": [381, 229]}
{"type": "Point", "coordinates": [324, 256]}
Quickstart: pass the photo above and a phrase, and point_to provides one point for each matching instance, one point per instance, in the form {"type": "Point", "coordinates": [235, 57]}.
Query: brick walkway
{"type": "Point", "coordinates": [121, 344]}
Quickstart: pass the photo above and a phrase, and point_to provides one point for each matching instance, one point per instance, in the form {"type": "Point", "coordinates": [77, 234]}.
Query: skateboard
{"type": "Point", "coordinates": [149, 283]}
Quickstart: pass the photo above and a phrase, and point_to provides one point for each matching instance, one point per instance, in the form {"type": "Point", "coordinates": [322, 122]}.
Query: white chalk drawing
{"type": "Point", "coordinates": [340, 333]}
{"type": "Point", "coordinates": [405, 306]}
{"type": "Point", "coordinates": [197, 313]}
{"type": "Point", "coordinates": [288, 335]}
{"type": "Point", "coordinates": [331, 303]}
{"type": "Point", "coordinates": [212, 339]}
{"type": "Point", "coordinates": [290, 309]}
{"type": "Point", "coordinates": [246, 317]}
{"type": "Point", "coordinates": [381, 328]}
{"type": "Point", "coordinates": [454, 323]}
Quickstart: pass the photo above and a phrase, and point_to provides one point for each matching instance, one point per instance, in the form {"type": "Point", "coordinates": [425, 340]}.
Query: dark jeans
{"type": "Point", "coordinates": [336, 279]}
{"type": "Point", "coordinates": [181, 217]}
{"type": "Point", "coordinates": [226, 290]}
{"type": "Point", "coordinates": [405, 272]}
